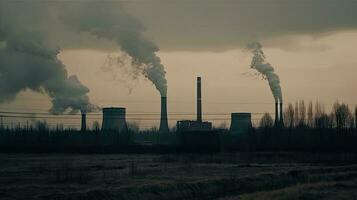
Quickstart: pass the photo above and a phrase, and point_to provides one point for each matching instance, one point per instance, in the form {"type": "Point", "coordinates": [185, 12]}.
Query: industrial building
{"type": "Point", "coordinates": [197, 135]}
{"type": "Point", "coordinates": [199, 124]}
{"type": "Point", "coordinates": [114, 119]}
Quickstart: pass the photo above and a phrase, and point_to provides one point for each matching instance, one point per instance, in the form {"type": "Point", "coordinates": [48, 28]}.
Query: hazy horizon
{"type": "Point", "coordinates": [314, 59]}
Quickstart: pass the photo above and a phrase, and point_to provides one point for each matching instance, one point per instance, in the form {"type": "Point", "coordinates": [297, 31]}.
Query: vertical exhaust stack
{"type": "Point", "coordinates": [164, 125]}
{"type": "Point", "coordinates": [281, 122]}
{"type": "Point", "coordinates": [276, 122]}
{"type": "Point", "coordinates": [199, 100]}
{"type": "Point", "coordinates": [84, 122]}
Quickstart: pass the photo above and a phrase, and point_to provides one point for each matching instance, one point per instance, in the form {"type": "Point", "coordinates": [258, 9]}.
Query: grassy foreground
{"type": "Point", "coordinates": [175, 176]}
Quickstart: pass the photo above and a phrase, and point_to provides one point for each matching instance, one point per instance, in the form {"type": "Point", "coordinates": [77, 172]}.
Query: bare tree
{"type": "Point", "coordinates": [290, 116]}
{"type": "Point", "coordinates": [133, 126]}
{"type": "Point", "coordinates": [296, 114]}
{"type": "Point", "coordinates": [341, 112]}
{"type": "Point", "coordinates": [356, 117]}
{"type": "Point", "coordinates": [42, 126]}
{"type": "Point", "coordinates": [350, 120]}
{"type": "Point", "coordinates": [319, 110]}
{"type": "Point", "coordinates": [310, 115]}
{"type": "Point", "coordinates": [302, 113]}
{"type": "Point", "coordinates": [333, 112]}
{"type": "Point", "coordinates": [266, 121]}
{"type": "Point", "coordinates": [332, 120]}
{"type": "Point", "coordinates": [323, 121]}
{"type": "Point", "coordinates": [95, 126]}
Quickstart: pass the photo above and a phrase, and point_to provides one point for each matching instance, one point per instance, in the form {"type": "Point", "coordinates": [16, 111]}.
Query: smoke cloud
{"type": "Point", "coordinates": [26, 63]}
{"type": "Point", "coordinates": [206, 25]}
{"type": "Point", "coordinates": [115, 24]}
{"type": "Point", "coordinates": [29, 45]}
{"type": "Point", "coordinates": [265, 69]}
{"type": "Point", "coordinates": [212, 25]}
{"type": "Point", "coordinates": [119, 67]}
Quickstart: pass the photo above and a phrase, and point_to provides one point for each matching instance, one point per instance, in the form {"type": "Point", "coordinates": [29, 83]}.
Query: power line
{"type": "Point", "coordinates": [173, 100]}
{"type": "Point", "coordinates": [141, 113]}
{"type": "Point", "coordinates": [158, 101]}
{"type": "Point", "coordinates": [69, 118]}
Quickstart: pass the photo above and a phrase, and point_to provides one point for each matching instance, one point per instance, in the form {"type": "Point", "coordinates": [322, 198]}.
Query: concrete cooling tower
{"type": "Point", "coordinates": [240, 123]}
{"type": "Point", "coordinates": [114, 119]}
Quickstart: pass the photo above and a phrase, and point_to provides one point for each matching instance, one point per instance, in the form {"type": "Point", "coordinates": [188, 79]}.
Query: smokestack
{"type": "Point", "coordinates": [281, 115]}
{"type": "Point", "coordinates": [114, 120]}
{"type": "Point", "coordinates": [276, 123]}
{"type": "Point", "coordinates": [199, 100]}
{"type": "Point", "coordinates": [84, 122]}
{"type": "Point", "coordinates": [164, 126]}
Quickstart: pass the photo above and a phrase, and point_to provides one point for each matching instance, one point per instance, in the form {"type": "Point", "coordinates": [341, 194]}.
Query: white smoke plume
{"type": "Point", "coordinates": [29, 47]}
{"type": "Point", "coordinates": [265, 69]}
{"type": "Point", "coordinates": [119, 67]}
{"type": "Point", "coordinates": [110, 21]}
{"type": "Point", "coordinates": [26, 63]}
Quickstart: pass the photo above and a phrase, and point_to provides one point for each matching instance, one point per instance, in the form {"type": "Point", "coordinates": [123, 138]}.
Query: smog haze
{"type": "Point", "coordinates": [128, 53]}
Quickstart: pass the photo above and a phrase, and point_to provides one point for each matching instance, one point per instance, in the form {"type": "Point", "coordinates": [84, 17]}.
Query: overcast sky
{"type": "Point", "coordinates": [311, 45]}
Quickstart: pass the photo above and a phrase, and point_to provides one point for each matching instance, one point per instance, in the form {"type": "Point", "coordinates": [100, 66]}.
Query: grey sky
{"type": "Point", "coordinates": [191, 24]}
{"type": "Point", "coordinates": [311, 44]}
{"type": "Point", "coordinates": [221, 24]}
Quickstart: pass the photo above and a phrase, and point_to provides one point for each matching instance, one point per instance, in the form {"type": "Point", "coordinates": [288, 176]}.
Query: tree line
{"type": "Point", "coordinates": [313, 115]}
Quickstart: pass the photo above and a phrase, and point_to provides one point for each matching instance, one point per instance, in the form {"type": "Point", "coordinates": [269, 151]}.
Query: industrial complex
{"type": "Point", "coordinates": [192, 132]}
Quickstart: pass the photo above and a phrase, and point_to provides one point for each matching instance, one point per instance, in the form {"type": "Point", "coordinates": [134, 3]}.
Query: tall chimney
{"type": "Point", "coordinates": [199, 100]}
{"type": "Point", "coordinates": [281, 115]}
{"type": "Point", "coordinates": [164, 126]}
{"type": "Point", "coordinates": [276, 122]}
{"type": "Point", "coordinates": [84, 122]}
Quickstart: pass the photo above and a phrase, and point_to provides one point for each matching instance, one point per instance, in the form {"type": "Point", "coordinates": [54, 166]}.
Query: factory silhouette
{"type": "Point", "coordinates": [192, 133]}
{"type": "Point", "coordinates": [114, 119]}
{"type": "Point", "coordinates": [320, 132]}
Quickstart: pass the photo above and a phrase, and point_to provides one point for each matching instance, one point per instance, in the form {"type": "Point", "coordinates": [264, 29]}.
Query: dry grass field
{"type": "Point", "coordinates": [181, 176]}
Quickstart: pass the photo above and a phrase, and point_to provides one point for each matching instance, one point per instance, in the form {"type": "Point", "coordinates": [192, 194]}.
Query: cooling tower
{"type": "Point", "coordinates": [84, 122]}
{"type": "Point", "coordinates": [164, 125]}
{"type": "Point", "coordinates": [199, 100]}
{"type": "Point", "coordinates": [276, 122]}
{"type": "Point", "coordinates": [240, 123]}
{"type": "Point", "coordinates": [114, 119]}
{"type": "Point", "coordinates": [281, 122]}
